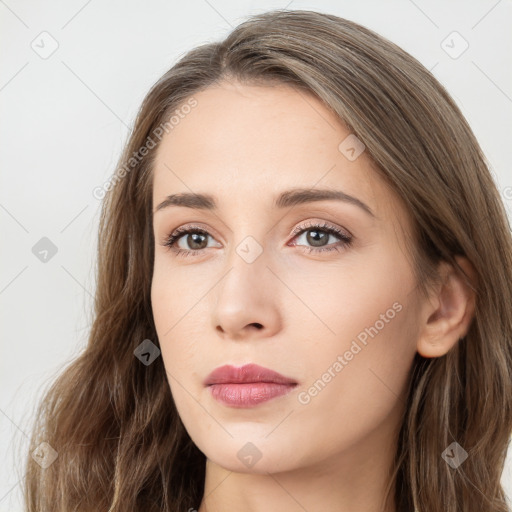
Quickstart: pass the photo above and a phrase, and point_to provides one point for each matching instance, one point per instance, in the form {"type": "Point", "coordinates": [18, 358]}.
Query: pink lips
{"type": "Point", "coordinates": [248, 385]}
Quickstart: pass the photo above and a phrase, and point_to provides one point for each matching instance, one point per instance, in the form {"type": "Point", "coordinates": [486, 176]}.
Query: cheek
{"type": "Point", "coordinates": [356, 388]}
{"type": "Point", "coordinates": [175, 297]}
{"type": "Point", "coordinates": [179, 321]}
{"type": "Point", "coordinates": [369, 353]}
{"type": "Point", "coordinates": [359, 345]}
{"type": "Point", "coordinates": [335, 303]}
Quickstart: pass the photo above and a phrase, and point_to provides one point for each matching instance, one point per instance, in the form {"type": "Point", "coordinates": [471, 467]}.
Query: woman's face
{"type": "Point", "coordinates": [268, 278]}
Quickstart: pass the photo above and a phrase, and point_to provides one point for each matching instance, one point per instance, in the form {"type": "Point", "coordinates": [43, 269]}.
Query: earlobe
{"type": "Point", "coordinates": [448, 312]}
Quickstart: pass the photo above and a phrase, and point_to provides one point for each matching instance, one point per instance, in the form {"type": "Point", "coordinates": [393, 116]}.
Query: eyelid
{"type": "Point", "coordinates": [316, 223]}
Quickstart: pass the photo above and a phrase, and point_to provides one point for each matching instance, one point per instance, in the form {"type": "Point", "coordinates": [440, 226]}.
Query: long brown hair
{"type": "Point", "coordinates": [112, 420]}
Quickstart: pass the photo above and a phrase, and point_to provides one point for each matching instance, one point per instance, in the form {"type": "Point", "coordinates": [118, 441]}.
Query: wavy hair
{"type": "Point", "coordinates": [120, 441]}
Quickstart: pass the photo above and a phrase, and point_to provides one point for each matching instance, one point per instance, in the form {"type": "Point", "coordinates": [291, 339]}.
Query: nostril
{"type": "Point", "coordinates": [257, 325]}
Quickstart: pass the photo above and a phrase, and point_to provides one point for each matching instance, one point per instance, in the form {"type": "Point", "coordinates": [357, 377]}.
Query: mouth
{"type": "Point", "coordinates": [249, 373]}
{"type": "Point", "coordinates": [248, 385]}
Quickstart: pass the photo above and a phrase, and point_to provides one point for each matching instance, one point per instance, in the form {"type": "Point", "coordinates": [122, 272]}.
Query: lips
{"type": "Point", "coordinates": [247, 386]}
{"type": "Point", "coordinates": [249, 373]}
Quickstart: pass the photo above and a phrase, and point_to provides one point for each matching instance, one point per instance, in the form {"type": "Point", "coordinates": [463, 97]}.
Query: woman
{"type": "Point", "coordinates": [303, 295]}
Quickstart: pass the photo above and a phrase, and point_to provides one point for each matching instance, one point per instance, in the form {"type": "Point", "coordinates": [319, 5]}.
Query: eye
{"type": "Point", "coordinates": [318, 236]}
{"type": "Point", "coordinates": [195, 239]}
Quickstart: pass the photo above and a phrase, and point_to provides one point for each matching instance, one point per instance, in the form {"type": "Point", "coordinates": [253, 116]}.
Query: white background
{"type": "Point", "coordinates": [65, 119]}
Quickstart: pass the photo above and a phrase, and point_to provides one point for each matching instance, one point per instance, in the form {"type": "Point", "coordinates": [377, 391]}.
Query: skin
{"type": "Point", "coordinates": [244, 145]}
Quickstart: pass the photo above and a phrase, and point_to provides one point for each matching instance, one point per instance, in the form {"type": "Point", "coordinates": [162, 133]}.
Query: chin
{"type": "Point", "coordinates": [252, 457]}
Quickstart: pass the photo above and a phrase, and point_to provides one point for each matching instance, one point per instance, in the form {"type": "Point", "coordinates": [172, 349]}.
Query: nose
{"type": "Point", "coordinates": [246, 303]}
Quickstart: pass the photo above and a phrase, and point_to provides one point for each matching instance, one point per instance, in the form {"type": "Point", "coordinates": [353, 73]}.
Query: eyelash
{"type": "Point", "coordinates": [345, 241]}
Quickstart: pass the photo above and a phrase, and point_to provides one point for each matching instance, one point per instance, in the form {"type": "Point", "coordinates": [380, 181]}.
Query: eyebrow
{"type": "Point", "coordinates": [286, 199]}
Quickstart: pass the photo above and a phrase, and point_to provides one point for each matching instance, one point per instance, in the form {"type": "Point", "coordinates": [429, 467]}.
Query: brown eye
{"type": "Point", "coordinates": [318, 236]}
{"type": "Point", "coordinates": [194, 239]}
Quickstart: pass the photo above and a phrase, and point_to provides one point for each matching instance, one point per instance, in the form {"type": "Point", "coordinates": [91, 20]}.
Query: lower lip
{"type": "Point", "coordinates": [248, 394]}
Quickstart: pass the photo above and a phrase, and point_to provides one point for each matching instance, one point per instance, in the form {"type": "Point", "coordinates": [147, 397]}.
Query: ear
{"type": "Point", "coordinates": [448, 312]}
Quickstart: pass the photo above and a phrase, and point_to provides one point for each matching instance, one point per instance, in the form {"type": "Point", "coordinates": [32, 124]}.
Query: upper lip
{"type": "Point", "coordinates": [228, 374]}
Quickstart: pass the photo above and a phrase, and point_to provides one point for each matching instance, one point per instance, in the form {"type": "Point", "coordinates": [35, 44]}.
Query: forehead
{"type": "Point", "coordinates": [246, 143]}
